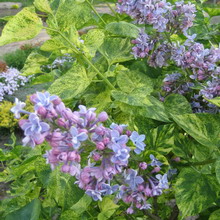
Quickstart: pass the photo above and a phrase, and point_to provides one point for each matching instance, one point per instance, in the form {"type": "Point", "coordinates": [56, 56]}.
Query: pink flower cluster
{"type": "Point", "coordinates": [105, 150]}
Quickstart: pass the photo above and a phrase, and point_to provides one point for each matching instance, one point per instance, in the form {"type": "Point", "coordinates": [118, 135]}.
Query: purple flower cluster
{"type": "Point", "coordinates": [199, 105]}
{"type": "Point", "coordinates": [193, 56]}
{"type": "Point", "coordinates": [161, 14]}
{"type": "Point", "coordinates": [173, 83]}
{"type": "Point", "coordinates": [136, 189]}
{"type": "Point", "coordinates": [200, 64]}
{"type": "Point", "coordinates": [143, 45]}
{"type": "Point", "coordinates": [10, 81]}
{"type": "Point", "coordinates": [73, 133]}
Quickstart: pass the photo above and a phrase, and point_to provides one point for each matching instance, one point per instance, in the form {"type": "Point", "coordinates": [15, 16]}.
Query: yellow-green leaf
{"type": "Point", "coordinates": [23, 26]}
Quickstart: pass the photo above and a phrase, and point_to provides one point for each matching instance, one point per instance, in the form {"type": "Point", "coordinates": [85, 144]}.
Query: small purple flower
{"type": "Point", "coordinates": [155, 161]}
{"type": "Point", "coordinates": [95, 194]}
{"type": "Point", "coordinates": [143, 165]}
{"type": "Point", "coordinates": [132, 179]}
{"type": "Point", "coordinates": [34, 126]}
{"type": "Point", "coordinates": [44, 99]}
{"type": "Point", "coordinates": [130, 210]}
{"type": "Point", "coordinates": [138, 141]}
{"type": "Point", "coordinates": [18, 108]}
{"type": "Point", "coordinates": [118, 139]}
{"type": "Point", "coordinates": [163, 182]}
{"type": "Point", "coordinates": [77, 137]}
{"type": "Point", "coordinates": [121, 155]}
{"type": "Point", "coordinates": [106, 189]}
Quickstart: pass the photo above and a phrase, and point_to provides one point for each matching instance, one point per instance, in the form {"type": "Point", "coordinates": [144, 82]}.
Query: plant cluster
{"type": "Point", "coordinates": [10, 81]}
{"type": "Point", "coordinates": [7, 119]}
{"type": "Point", "coordinates": [199, 65]}
{"type": "Point", "coordinates": [153, 66]}
{"type": "Point", "coordinates": [72, 134]}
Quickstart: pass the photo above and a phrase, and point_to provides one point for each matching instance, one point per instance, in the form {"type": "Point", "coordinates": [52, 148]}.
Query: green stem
{"type": "Point", "coordinates": [96, 70]}
{"type": "Point", "coordinates": [112, 10]}
{"type": "Point", "coordinates": [74, 49]}
{"type": "Point", "coordinates": [95, 12]}
{"type": "Point", "coordinates": [168, 38]}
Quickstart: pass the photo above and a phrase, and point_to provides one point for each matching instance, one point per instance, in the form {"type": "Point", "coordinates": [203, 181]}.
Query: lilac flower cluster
{"type": "Point", "coordinates": [161, 14]}
{"type": "Point", "coordinates": [199, 105]}
{"type": "Point", "coordinates": [10, 81]}
{"type": "Point", "coordinates": [59, 62]}
{"type": "Point", "coordinates": [73, 133]}
{"type": "Point", "coordinates": [202, 62]}
{"type": "Point", "coordinates": [173, 83]}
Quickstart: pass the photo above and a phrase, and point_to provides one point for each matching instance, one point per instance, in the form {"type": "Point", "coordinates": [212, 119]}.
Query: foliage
{"type": "Point", "coordinates": [7, 119]}
{"type": "Point", "coordinates": [151, 74]}
{"type": "Point", "coordinates": [18, 58]}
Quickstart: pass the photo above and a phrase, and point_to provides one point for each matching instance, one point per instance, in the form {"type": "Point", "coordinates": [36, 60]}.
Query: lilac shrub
{"type": "Point", "coordinates": [10, 81]}
{"type": "Point", "coordinates": [76, 134]}
{"type": "Point", "coordinates": [198, 65]}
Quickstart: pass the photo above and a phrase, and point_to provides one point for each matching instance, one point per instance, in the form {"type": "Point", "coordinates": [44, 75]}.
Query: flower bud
{"type": "Point", "coordinates": [61, 122]}
{"type": "Point", "coordinates": [62, 157]}
{"type": "Point", "coordinates": [96, 156]}
{"type": "Point", "coordinates": [90, 116]}
{"type": "Point", "coordinates": [100, 130]}
{"type": "Point", "coordinates": [103, 116]}
{"type": "Point", "coordinates": [143, 165]}
{"type": "Point", "coordinates": [65, 168]}
{"type": "Point", "coordinates": [106, 140]}
{"type": "Point", "coordinates": [100, 146]}
{"type": "Point", "coordinates": [128, 132]}
{"type": "Point", "coordinates": [130, 210]}
{"type": "Point", "coordinates": [33, 98]}
{"type": "Point", "coordinates": [140, 188]}
{"type": "Point", "coordinates": [156, 170]}
{"type": "Point", "coordinates": [57, 101]}
{"type": "Point", "coordinates": [22, 122]}
{"type": "Point", "coordinates": [72, 156]}
{"type": "Point", "coordinates": [78, 158]}
{"type": "Point", "coordinates": [42, 111]}
{"type": "Point", "coordinates": [176, 159]}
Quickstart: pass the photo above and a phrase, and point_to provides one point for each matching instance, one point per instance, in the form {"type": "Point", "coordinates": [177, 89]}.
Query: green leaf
{"type": "Point", "coordinates": [177, 104]}
{"type": "Point", "coordinates": [134, 82]}
{"type": "Point", "coordinates": [69, 215]}
{"type": "Point", "coordinates": [98, 99]}
{"type": "Point", "coordinates": [82, 205]}
{"type": "Point", "coordinates": [195, 191]}
{"type": "Point", "coordinates": [215, 215]}
{"type": "Point", "coordinates": [116, 50]}
{"type": "Point", "coordinates": [78, 14]}
{"type": "Point", "coordinates": [29, 212]}
{"type": "Point", "coordinates": [43, 5]}
{"type": "Point", "coordinates": [202, 127]}
{"type": "Point", "coordinates": [23, 26]}
{"type": "Point", "coordinates": [53, 44]}
{"type": "Point", "coordinates": [71, 84]}
{"type": "Point", "coordinates": [161, 138]}
{"type": "Point", "coordinates": [212, 11]}
{"type": "Point", "coordinates": [33, 64]}
{"type": "Point", "coordinates": [93, 40]}
{"type": "Point", "coordinates": [148, 106]}
{"type": "Point", "coordinates": [43, 79]}
{"type": "Point", "coordinates": [188, 148]}
{"type": "Point", "coordinates": [215, 101]}
{"type": "Point", "coordinates": [217, 169]}
{"type": "Point", "coordinates": [123, 29]}
{"type": "Point", "coordinates": [107, 207]}
{"type": "Point", "coordinates": [62, 188]}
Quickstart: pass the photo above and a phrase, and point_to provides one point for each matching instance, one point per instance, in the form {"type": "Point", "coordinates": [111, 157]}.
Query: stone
{"type": "Point", "coordinates": [10, 5]}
